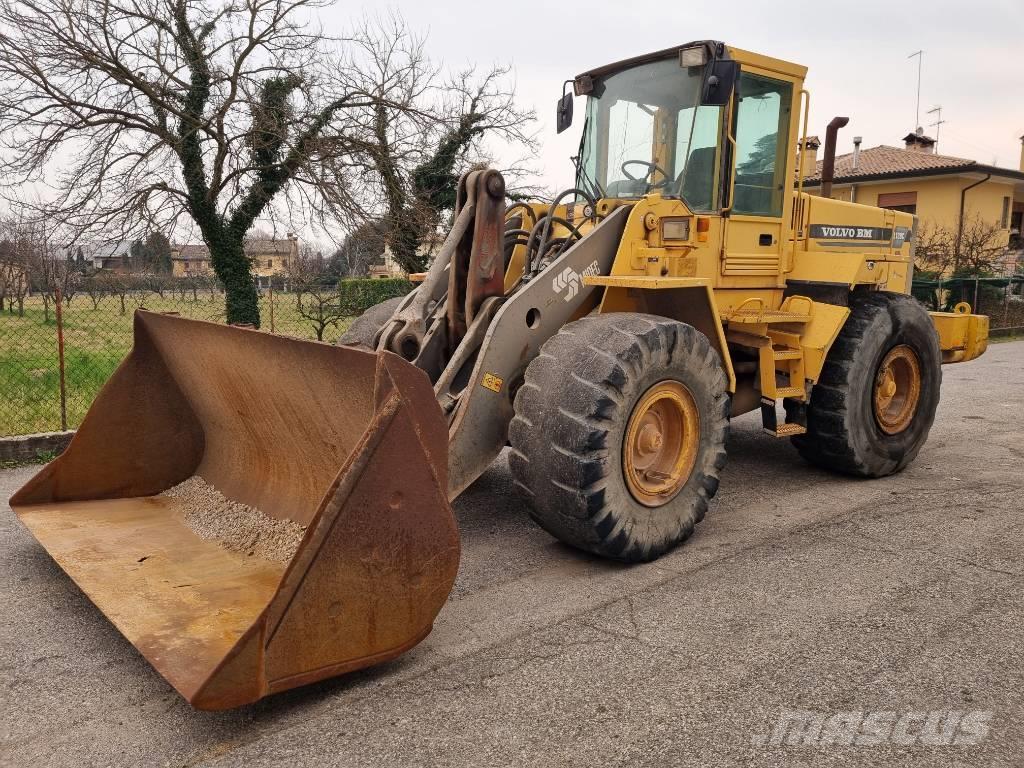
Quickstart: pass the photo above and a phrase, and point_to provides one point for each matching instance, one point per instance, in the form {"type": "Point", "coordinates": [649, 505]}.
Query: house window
{"type": "Point", "coordinates": [270, 263]}
{"type": "Point", "coordinates": [1004, 220]}
{"type": "Point", "coordinates": [899, 201]}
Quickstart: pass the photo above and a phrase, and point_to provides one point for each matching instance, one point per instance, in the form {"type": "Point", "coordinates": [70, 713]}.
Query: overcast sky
{"type": "Point", "coordinates": [856, 54]}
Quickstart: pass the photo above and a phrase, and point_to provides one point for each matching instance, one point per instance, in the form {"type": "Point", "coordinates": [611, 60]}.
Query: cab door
{"type": "Point", "coordinates": [760, 194]}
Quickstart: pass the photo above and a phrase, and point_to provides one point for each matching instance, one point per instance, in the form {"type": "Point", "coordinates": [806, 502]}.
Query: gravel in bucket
{"type": "Point", "coordinates": [236, 526]}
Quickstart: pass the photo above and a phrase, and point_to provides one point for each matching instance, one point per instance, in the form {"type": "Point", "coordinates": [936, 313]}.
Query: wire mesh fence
{"type": "Point", "coordinates": [1000, 298]}
{"type": "Point", "coordinates": [45, 388]}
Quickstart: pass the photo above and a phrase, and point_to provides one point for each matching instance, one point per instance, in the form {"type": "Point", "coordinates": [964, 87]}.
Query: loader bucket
{"type": "Point", "coordinates": [348, 443]}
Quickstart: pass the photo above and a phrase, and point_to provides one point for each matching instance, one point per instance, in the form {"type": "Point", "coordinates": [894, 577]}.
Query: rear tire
{"type": "Point", "coordinates": [580, 419]}
{"type": "Point", "coordinates": [849, 431]}
{"type": "Point", "coordinates": [365, 327]}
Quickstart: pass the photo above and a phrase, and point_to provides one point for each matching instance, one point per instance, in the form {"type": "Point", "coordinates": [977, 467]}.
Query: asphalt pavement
{"type": "Point", "coordinates": [808, 612]}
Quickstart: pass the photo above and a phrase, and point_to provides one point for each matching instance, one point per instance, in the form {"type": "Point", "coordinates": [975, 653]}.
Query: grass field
{"type": "Point", "coordinates": [96, 339]}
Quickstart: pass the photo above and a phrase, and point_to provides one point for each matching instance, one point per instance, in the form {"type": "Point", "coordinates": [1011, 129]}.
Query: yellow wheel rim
{"type": "Point", "coordinates": [660, 446]}
{"type": "Point", "coordinates": [897, 389]}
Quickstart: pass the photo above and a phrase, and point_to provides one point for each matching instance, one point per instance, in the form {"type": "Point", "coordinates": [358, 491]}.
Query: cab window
{"type": "Point", "coordinates": [762, 138]}
{"type": "Point", "coordinates": [696, 154]}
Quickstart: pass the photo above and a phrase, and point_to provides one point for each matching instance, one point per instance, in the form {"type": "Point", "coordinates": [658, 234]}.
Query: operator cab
{"type": "Point", "coordinates": [661, 123]}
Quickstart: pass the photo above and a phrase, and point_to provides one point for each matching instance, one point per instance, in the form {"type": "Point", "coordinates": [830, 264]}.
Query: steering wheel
{"type": "Point", "coordinates": [652, 168]}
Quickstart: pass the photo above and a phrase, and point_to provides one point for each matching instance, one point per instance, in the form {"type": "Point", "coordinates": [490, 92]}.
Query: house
{"type": "Point", "coordinates": [386, 266]}
{"type": "Point", "coordinates": [940, 190]}
{"type": "Point", "coordinates": [190, 261]}
{"type": "Point", "coordinates": [113, 257]}
{"type": "Point", "coordinates": [269, 257]}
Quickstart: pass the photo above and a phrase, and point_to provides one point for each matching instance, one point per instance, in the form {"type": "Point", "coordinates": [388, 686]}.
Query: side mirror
{"type": "Point", "coordinates": [719, 83]}
{"type": "Point", "coordinates": [564, 119]}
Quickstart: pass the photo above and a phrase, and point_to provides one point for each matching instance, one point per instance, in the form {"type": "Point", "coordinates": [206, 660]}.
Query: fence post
{"type": "Point", "coordinates": [60, 361]}
{"type": "Point", "coordinates": [271, 297]}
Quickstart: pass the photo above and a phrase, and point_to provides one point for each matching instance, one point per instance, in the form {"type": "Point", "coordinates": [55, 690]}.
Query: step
{"type": "Point", "coordinates": [787, 430]}
{"type": "Point", "coordinates": [769, 316]}
{"type": "Point", "coordinates": [798, 392]}
{"type": "Point", "coordinates": [787, 354]}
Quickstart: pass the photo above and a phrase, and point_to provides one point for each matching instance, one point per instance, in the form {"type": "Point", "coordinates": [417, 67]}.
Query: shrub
{"type": "Point", "coordinates": [359, 294]}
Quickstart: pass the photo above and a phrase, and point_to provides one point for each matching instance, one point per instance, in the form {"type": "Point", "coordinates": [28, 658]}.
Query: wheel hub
{"type": "Point", "coordinates": [661, 441]}
{"type": "Point", "coordinates": [897, 389]}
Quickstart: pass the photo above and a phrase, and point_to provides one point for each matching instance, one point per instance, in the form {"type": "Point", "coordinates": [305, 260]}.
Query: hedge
{"type": "Point", "coordinates": [359, 294]}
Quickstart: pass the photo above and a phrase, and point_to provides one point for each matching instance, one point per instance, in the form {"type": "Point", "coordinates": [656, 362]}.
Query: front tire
{"type": "Point", "coordinates": [619, 434]}
{"type": "Point", "coordinates": [875, 400]}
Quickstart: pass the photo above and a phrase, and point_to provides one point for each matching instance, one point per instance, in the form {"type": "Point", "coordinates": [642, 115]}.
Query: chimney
{"type": "Point", "coordinates": [918, 142]}
{"type": "Point", "coordinates": [1022, 154]}
{"type": "Point", "coordinates": [811, 145]}
{"type": "Point", "coordinates": [856, 151]}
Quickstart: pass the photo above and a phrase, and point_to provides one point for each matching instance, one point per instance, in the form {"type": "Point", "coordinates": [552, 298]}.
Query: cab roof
{"type": "Point", "coordinates": [738, 54]}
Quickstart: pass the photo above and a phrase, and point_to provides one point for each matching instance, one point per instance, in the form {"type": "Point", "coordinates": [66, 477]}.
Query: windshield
{"type": "Point", "coordinates": [645, 131]}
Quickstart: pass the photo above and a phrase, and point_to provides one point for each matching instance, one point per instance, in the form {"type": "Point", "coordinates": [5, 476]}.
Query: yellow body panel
{"type": "Point", "coordinates": [938, 199]}
{"type": "Point", "coordinates": [818, 334]}
{"type": "Point", "coordinates": [689, 300]}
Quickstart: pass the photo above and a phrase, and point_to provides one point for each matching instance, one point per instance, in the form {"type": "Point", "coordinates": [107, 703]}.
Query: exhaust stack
{"type": "Point", "coordinates": [828, 167]}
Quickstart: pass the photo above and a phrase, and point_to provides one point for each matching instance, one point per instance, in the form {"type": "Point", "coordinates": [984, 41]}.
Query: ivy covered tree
{"type": "Point", "coordinates": [416, 164]}
{"type": "Point", "coordinates": [142, 115]}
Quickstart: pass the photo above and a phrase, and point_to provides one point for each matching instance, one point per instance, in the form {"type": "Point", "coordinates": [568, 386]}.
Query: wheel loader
{"type": "Point", "coordinates": [606, 338]}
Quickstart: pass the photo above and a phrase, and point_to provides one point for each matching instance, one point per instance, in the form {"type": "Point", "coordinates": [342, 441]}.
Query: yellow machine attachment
{"type": "Point", "coordinates": [308, 434]}
{"type": "Point", "coordinates": [962, 335]}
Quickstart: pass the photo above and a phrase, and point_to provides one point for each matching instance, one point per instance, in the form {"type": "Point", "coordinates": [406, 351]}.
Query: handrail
{"type": "Point", "coordinates": [805, 95]}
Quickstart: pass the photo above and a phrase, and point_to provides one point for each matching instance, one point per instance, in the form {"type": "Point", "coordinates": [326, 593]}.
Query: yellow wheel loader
{"type": "Point", "coordinates": [607, 338]}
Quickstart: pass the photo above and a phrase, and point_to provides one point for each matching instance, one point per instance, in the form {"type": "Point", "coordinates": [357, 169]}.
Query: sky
{"type": "Point", "coordinates": [856, 54]}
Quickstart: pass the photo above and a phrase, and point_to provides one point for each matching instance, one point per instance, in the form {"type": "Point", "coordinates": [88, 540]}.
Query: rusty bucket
{"type": "Point", "coordinates": [350, 444]}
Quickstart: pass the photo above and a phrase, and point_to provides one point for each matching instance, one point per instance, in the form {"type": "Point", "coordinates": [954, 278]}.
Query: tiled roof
{"type": "Point", "coordinates": [93, 251]}
{"type": "Point", "coordinates": [884, 160]}
{"type": "Point", "coordinates": [191, 252]}
{"type": "Point", "coordinates": [277, 247]}
{"type": "Point", "coordinates": [199, 252]}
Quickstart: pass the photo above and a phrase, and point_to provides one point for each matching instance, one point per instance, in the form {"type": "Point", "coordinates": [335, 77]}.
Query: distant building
{"type": "Point", "coordinates": [386, 266]}
{"type": "Point", "coordinates": [268, 257]}
{"type": "Point", "coordinates": [190, 261]}
{"type": "Point", "coordinates": [113, 257]}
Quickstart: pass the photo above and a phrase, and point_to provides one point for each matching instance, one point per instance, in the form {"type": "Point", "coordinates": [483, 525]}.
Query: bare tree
{"type": "Point", "coordinates": [416, 165]}
{"type": "Point", "coordinates": [137, 112]}
{"type": "Point", "coordinates": [14, 266]}
{"type": "Point", "coordinates": [116, 285]}
{"type": "Point", "coordinates": [360, 248]}
{"type": "Point", "coordinates": [94, 288]}
{"type": "Point", "coordinates": [317, 299]}
{"type": "Point", "coordinates": [935, 250]}
{"type": "Point", "coordinates": [957, 261]}
{"type": "Point", "coordinates": [978, 247]}
{"type": "Point", "coordinates": [44, 266]}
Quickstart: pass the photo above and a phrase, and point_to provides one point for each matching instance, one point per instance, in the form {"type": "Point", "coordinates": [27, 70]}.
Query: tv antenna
{"type": "Point", "coordinates": [937, 111]}
{"type": "Point", "coordinates": [917, 115]}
